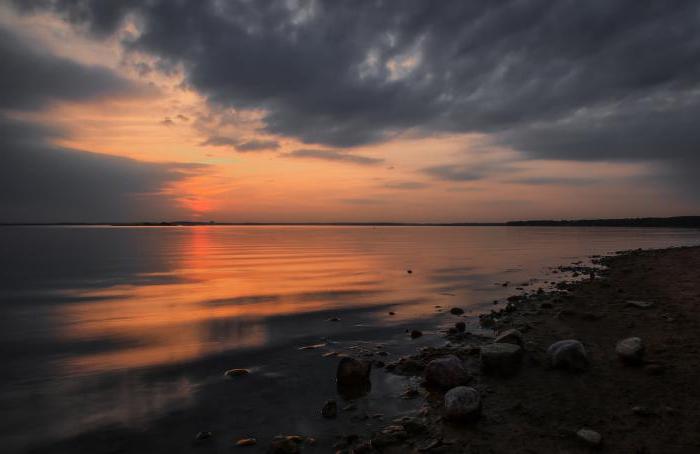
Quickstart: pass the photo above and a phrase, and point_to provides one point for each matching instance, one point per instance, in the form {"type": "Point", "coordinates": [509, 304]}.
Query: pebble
{"type": "Point", "coordinates": [590, 437]}
{"type": "Point", "coordinates": [282, 445]}
{"type": "Point", "coordinates": [416, 334]}
{"type": "Point", "coordinates": [446, 373]}
{"type": "Point", "coordinates": [568, 354]}
{"type": "Point", "coordinates": [247, 442]}
{"type": "Point", "coordinates": [352, 371]}
{"type": "Point", "coordinates": [630, 350]}
{"type": "Point", "coordinates": [334, 319]}
{"type": "Point", "coordinates": [231, 373]}
{"type": "Point", "coordinates": [511, 336]}
{"type": "Point", "coordinates": [461, 327]}
{"type": "Point", "coordinates": [501, 358]}
{"type": "Point", "coordinates": [202, 435]}
{"type": "Point", "coordinates": [330, 409]}
{"type": "Point", "coordinates": [639, 304]}
{"type": "Point", "coordinates": [462, 403]}
{"type": "Point", "coordinates": [456, 311]}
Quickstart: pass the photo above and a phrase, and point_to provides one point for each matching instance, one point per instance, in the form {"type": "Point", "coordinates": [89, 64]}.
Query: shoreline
{"type": "Point", "coordinates": [646, 407]}
{"type": "Point", "coordinates": [635, 409]}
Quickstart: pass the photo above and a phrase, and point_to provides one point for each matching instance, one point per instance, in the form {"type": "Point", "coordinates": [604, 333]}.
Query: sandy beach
{"type": "Point", "coordinates": [642, 406]}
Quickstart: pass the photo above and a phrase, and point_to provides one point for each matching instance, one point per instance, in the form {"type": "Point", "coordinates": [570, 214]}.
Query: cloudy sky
{"type": "Point", "coordinates": [348, 111]}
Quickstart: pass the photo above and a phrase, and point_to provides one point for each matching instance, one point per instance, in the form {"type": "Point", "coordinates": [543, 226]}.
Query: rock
{"type": "Point", "coordinates": [630, 350]}
{"type": "Point", "coordinates": [639, 304]}
{"type": "Point", "coordinates": [247, 442]}
{"type": "Point", "coordinates": [462, 403]}
{"type": "Point", "coordinates": [412, 425]}
{"type": "Point", "coordinates": [546, 305]}
{"type": "Point", "coordinates": [282, 445]}
{"type": "Point", "coordinates": [590, 437]}
{"type": "Point", "coordinates": [446, 373]}
{"type": "Point", "coordinates": [232, 373]}
{"type": "Point", "coordinates": [456, 311]}
{"type": "Point", "coordinates": [511, 336]}
{"type": "Point", "coordinates": [330, 409]}
{"type": "Point", "coordinates": [568, 354]}
{"type": "Point", "coordinates": [501, 358]}
{"type": "Point", "coordinates": [416, 334]}
{"type": "Point", "coordinates": [409, 271]}
{"type": "Point", "coordinates": [334, 319]}
{"type": "Point", "coordinates": [353, 371]}
{"type": "Point", "coordinates": [390, 435]}
{"type": "Point", "coordinates": [392, 313]}
{"type": "Point", "coordinates": [204, 435]}
{"type": "Point", "coordinates": [461, 327]}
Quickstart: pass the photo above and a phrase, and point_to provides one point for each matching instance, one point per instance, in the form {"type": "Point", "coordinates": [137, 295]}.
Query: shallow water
{"type": "Point", "coordinates": [94, 319]}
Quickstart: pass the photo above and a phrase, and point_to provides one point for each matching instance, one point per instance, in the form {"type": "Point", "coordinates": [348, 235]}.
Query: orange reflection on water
{"type": "Point", "coordinates": [216, 297]}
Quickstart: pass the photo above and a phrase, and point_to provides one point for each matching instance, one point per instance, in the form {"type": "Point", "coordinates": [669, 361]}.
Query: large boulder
{"type": "Point", "coordinates": [353, 372]}
{"type": "Point", "coordinates": [446, 373]}
{"type": "Point", "coordinates": [568, 354]}
{"type": "Point", "coordinates": [511, 336]}
{"type": "Point", "coordinates": [501, 358]}
{"type": "Point", "coordinates": [462, 403]}
{"type": "Point", "coordinates": [630, 350]}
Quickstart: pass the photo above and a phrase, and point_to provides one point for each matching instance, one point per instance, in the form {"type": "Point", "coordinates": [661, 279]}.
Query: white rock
{"type": "Point", "coordinates": [590, 437]}
{"type": "Point", "coordinates": [630, 350]}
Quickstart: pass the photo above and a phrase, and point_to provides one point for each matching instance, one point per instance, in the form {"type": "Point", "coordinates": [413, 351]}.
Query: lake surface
{"type": "Point", "coordinates": [96, 319]}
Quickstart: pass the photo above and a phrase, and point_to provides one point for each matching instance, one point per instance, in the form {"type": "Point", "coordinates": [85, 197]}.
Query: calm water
{"type": "Point", "coordinates": [90, 315]}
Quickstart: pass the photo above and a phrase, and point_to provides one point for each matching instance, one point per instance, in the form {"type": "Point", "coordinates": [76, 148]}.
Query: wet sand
{"type": "Point", "coordinates": [647, 408]}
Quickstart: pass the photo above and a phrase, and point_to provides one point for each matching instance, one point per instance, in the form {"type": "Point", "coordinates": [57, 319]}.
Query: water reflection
{"type": "Point", "coordinates": [88, 312]}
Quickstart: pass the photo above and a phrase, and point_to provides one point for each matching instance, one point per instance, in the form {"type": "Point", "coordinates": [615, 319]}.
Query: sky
{"type": "Point", "coordinates": [362, 111]}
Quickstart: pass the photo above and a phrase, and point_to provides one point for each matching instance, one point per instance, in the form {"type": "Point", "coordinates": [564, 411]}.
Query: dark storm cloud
{"type": "Point", "coordinates": [40, 182]}
{"type": "Point", "coordinates": [242, 146]}
{"type": "Point", "coordinates": [332, 155]}
{"type": "Point", "coordinates": [557, 79]}
{"type": "Point", "coordinates": [468, 172]}
{"type": "Point", "coordinates": [30, 79]}
{"type": "Point", "coordinates": [554, 181]}
{"type": "Point", "coordinates": [406, 185]}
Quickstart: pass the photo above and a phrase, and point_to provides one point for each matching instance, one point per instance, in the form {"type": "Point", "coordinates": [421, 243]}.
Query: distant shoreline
{"type": "Point", "coordinates": [668, 222]}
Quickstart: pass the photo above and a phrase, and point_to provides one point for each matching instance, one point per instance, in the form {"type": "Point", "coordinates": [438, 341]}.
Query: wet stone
{"type": "Point", "coordinates": [232, 373]}
{"type": "Point", "coordinates": [352, 372]}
